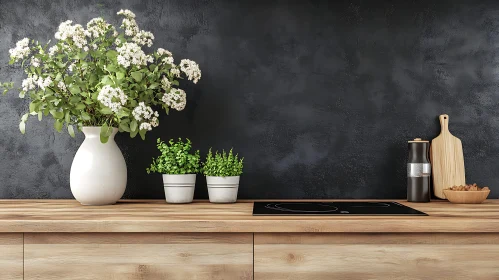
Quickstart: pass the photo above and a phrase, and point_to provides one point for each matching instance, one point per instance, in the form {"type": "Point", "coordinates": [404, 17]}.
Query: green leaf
{"type": "Point", "coordinates": [80, 106]}
{"type": "Point", "coordinates": [120, 75]}
{"type": "Point", "coordinates": [106, 80]}
{"type": "Point", "coordinates": [58, 125]}
{"type": "Point", "coordinates": [137, 76]}
{"type": "Point", "coordinates": [71, 131]}
{"type": "Point", "coordinates": [154, 85]}
{"type": "Point", "coordinates": [74, 99]}
{"type": "Point", "coordinates": [22, 127]}
{"type": "Point", "coordinates": [21, 94]}
{"type": "Point", "coordinates": [92, 79]}
{"type": "Point", "coordinates": [104, 139]}
{"type": "Point", "coordinates": [142, 134]}
{"type": "Point", "coordinates": [82, 55]}
{"type": "Point", "coordinates": [133, 125]}
{"type": "Point", "coordinates": [74, 89]}
{"type": "Point", "coordinates": [56, 114]}
{"type": "Point", "coordinates": [124, 126]}
{"type": "Point", "coordinates": [25, 117]}
{"type": "Point", "coordinates": [111, 68]}
{"type": "Point", "coordinates": [105, 132]}
{"type": "Point", "coordinates": [32, 107]}
{"type": "Point", "coordinates": [40, 115]}
{"type": "Point", "coordinates": [106, 111]}
{"type": "Point", "coordinates": [112, 54]}
{"type": "Point", "coordinates": [85, 116]}
{"type": "Point", "coordinates": [133, 133]}
{"type": "Point", "coordinates": [67, 117]}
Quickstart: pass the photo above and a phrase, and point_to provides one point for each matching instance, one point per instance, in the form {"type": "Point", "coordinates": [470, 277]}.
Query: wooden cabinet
{"type": "Point", "coordinates": [11, 256]}
{"type": "Point", "coordinates": [376, 256]}
{"type": "Point", "coordinates": [138, 256]}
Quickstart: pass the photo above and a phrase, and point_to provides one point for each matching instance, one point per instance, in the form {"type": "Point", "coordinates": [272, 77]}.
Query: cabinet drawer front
{"type": "Point", "coordinates": [11, 256]}
{"type": "Point", "coordinates": [376, 256]}
{"type": "Point", "coordinates": [138, 256]}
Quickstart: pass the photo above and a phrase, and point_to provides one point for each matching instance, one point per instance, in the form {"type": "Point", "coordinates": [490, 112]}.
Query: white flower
{"type": "Point", "coordinates": [98, 27]}
{"type": "Point", "coordinates": [21, 50]}
{"type": "Point", "coordinates": [154, 121]}
{"type": "Point", "coordinates": [35, 62]}
{"type": "Point", "coordinates": [162, 52]}
{"type": "Point", "coordinates": [145, 126]}
{"type": "Point", "coordinates": [114, 98]}
{"type": "Point", "coordinates": [132, 54]}
{"type": "Point", "coordinates": [30, 83]}
{"type": "Point", "coordinates": [74, 32]}
{"type": "Point", "coordinates": [175, 99]}
{"type": "Point", "coordinates": [175, 71]}
{"type": "Point", "coordinates": [130, 26]}
{"type": "Point", "coordinates": [165, 83]}
{"type": "Point", "coordinates": [43, 83]}
{"type": "Point", "coordinates": [143, 112]}
{"type": "Point", "coordinates": [61, 85]}
{"type": "Point", "coordinates": [191, 70]}
{"type": "Point", "coordinates": [85, 48]}
{"type": "Point", "coordinates": [129, 23]}
{"type": "Point", "coordinates": [53, 50]}
{"type": "Point", "coordinates": [126, 13]}
{"type": "Point", "coordinates": [94, 46]}
{"type": "Point", "coordinates": [168, 60]}
{"type": "Point", "coordinates": [71, 67]}
{"type": "Point", "coordinates": [143, 38]}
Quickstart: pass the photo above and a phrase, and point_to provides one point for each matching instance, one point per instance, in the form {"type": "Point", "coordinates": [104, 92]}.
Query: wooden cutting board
{"type": "Point", "coordinates": [447, 161]}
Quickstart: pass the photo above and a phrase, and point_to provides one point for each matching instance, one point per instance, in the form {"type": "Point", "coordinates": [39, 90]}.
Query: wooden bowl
{"type": "Point", "coordinates": [466, 197]}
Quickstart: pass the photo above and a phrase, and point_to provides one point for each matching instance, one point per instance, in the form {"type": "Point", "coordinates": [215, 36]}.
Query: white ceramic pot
{"type": "Point", "coordinates": [222, 189]}
{"type": "Point", "coordinates": [98, 173]}
{"type": "Point", "coordinates": [179, 188]}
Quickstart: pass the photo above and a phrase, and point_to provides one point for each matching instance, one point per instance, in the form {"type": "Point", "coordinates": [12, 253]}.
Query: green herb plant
{"type": "Point", "coordinates": [222, 164]}
{"type": "Point", "coordinates": [175, 158]}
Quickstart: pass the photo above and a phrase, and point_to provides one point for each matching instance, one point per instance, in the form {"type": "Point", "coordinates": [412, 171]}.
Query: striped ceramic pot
{"type": "Point", "coordinates": [179, 188]}
{"type": "Point", "coordinates": [222, 189]}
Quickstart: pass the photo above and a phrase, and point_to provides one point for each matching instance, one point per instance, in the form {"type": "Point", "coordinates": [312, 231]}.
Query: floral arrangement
{"type": "Point", "coordinates": [100, 77]}
{"type": "Point", "coordinates": [175, 158]}
{"type": "Point", "coordinates": [222, 164]}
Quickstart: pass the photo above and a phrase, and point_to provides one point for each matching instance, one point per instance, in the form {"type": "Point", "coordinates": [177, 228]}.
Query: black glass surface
{"type": "Point", "coordinates": [269, 208]}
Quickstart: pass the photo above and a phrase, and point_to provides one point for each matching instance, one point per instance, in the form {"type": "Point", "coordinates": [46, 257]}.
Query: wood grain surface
{"type": "Point", "coordinates": [138, 256]}
{"type": "Point", "coordinates": [11, 256]}
{"type": "Point", "coordinates": [447, 160]}
{"type": "Point", "coordinates": [202, 216]}
{"type": "Point", "coordinates": [376, 256]}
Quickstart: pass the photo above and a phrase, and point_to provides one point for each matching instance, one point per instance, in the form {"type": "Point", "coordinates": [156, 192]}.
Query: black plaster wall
{"type": "Point", "coordinates": [319, 96]}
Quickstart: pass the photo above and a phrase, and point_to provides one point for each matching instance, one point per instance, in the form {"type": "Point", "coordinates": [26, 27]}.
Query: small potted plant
{"type": "Point", "coordinates": [222, 176]}
{"type": "Point", "coordinates": [179, 168]}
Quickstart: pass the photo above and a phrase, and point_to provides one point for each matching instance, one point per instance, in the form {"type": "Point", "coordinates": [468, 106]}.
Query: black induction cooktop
{"type": "Point", "coordinates": [343, 208]}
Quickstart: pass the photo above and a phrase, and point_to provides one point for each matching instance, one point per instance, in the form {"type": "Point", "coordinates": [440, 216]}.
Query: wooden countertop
{"type": "Point", "coordinates": [202, 216]}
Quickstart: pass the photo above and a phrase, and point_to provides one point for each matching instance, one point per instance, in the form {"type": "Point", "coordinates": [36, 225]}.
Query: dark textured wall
{"type": "Point", "coordinates": [320, 97]}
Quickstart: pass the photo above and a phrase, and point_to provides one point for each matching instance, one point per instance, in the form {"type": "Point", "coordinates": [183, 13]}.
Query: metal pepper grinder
{"type": "Point", "coordinates": [418, 171]}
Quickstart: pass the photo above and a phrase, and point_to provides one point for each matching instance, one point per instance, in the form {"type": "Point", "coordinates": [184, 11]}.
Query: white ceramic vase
{"type": "Point", "coordinates": [98, 173]}
{"type": "Point", "coordinates": [222, 189]}
{"type": "Point", "coordinates": [179, 188]}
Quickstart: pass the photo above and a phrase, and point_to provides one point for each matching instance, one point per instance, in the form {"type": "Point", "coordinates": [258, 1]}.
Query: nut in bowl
{"type": "Point", "coordinates": [468, 194]}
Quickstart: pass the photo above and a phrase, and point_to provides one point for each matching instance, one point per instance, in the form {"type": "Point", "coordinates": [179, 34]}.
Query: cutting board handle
{"type": "Point", "coordinates": [444, 123]}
